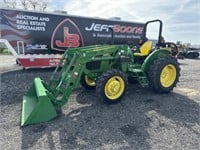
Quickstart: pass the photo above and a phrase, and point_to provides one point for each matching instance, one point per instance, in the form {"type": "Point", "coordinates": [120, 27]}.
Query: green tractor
{"type": "Point", "coordinates": [104, 68]}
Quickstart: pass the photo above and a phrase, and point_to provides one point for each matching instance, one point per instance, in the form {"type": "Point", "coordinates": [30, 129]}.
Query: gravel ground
{"type": "Point", "coordinates": [142, 120]}
{"type": "Point", "coordinates": [8, 63]}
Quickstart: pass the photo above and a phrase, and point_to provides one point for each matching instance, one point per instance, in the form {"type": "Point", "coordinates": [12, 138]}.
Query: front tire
{"type": "Point", "coordinates": [87, 82]}
{"type": "Point", "coordinates": [164, 74]}
{"type": "Point", "coordinates": [111, 86]}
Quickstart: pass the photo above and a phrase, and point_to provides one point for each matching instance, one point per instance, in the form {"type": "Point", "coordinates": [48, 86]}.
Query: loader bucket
{"type": "Point", "coordinates": [36, 106]}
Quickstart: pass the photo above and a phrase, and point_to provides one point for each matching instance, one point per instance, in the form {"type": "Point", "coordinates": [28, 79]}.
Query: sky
{"type": "Point", "coordinates": [181, 18]}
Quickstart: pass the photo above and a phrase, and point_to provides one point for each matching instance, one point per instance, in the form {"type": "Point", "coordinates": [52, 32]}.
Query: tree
{"type": "Point", "coordinates": [25, 4]}
{"type": "Point", "coordinates": [40, 5]}
{"type": "Point", "coordinates": [10, 3]}
{"type": "Point", "coordinates": [44, 4]}
{"type": "Point", "coordinates": [34, 3]}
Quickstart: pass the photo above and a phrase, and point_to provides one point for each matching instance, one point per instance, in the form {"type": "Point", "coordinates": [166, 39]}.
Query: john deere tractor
{"type": "Point", "coordinates": [104, 68]}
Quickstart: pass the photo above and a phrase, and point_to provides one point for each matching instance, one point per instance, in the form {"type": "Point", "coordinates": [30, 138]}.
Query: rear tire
{"type": "Point", "coordinates": [111, 86]}
{"type": "Point", "coordinates": [164, 74]}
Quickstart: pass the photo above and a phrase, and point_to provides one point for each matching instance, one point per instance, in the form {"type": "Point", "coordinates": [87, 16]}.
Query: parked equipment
{"type": "Point", "coordinates": [189, 53]}
{"type": "Point", "coordinates": [113, 65]}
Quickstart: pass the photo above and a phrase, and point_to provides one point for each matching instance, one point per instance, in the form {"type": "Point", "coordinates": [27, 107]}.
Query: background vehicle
{"type": "Point", "coordinates": [191, 53]}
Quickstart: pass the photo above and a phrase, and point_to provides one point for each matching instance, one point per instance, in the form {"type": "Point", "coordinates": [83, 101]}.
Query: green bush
{"type": "Point", "coordinates": [4, 49]}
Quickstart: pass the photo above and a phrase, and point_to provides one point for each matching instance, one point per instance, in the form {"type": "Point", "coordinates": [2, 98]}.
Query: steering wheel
{"type": "Point", "coordinates": [173, 48]}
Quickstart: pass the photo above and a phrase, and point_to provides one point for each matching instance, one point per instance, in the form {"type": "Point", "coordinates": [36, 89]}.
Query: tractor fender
{"type": "Point", "coordinates": [153, 56]}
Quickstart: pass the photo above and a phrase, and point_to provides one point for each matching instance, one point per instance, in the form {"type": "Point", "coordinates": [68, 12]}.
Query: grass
{"type": "Point", "coordinates": [5, 52]}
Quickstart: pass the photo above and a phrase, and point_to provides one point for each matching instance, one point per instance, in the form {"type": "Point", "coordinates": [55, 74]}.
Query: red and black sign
{"type": "Point", "coordinates": [45, 33]}
{"type": "Point", "coordinates": [72, 36]}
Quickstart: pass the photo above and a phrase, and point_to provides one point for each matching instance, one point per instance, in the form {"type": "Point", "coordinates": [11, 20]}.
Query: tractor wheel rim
{"type": "Point", "coordinates": [114, 87]}
{"type": "Point", "coordinates": [89, 81]}
{"type": "Point", "coordinates": [168, 75]}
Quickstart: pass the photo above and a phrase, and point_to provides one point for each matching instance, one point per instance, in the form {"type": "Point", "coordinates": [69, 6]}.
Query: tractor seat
{"type": "Point", "coordinates": [145, 49]}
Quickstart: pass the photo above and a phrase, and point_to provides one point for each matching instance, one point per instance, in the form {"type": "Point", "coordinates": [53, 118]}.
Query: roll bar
{"type": "Point", "coordinates": [160, 29]}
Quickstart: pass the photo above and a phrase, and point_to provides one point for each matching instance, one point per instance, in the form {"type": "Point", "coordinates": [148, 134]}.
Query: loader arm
{"type": "Point", "coordinates": [66, 79]}
{"type": "Point", "coordinates": [75, 60]}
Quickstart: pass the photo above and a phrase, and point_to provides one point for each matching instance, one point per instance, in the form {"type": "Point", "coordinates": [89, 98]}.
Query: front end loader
{"type": "Point", "coordinates": [42, 101]}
